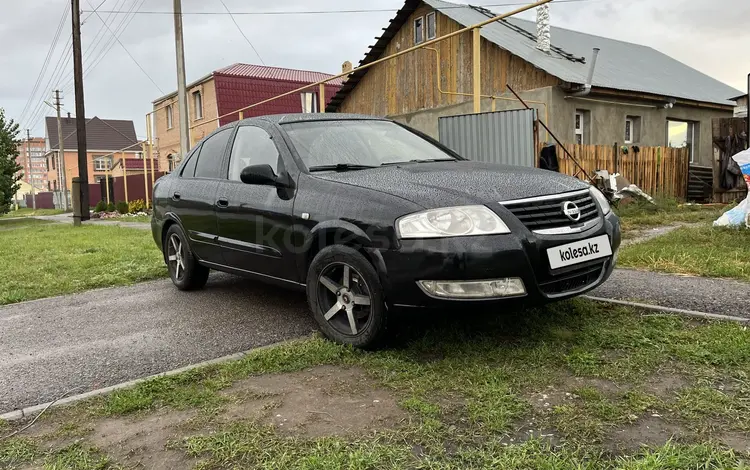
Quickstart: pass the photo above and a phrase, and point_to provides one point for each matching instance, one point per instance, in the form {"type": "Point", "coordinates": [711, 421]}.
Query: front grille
{"type": "Point", "coordinates": [573, 280]}
{"type": "Point", "coordinates": [547, 212]}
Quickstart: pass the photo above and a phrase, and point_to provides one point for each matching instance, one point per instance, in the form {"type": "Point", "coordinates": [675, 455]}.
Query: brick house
{"type": "Point", "coordinates": [107, 141]}
{"type": "Point", "coordinates": [31, 158]}
{"type": "Point", "coordinates": [226, 90]}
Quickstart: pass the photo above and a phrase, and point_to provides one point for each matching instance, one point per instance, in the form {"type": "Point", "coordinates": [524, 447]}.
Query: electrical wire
{"type": "Point", "coordinates": [240, 30]}
{"type": "Point", "coordinates": [43, 71]}
{"type": "Point", "coordinates": [118, 32]}
{"type": "Point", "coordinates": [40, 414]}
{"type": "Point", "coordinates": [324, 12]}
{"type": "Point", "coordinates": [93, 53]}
{"type": "Point", "coordinates": [55, 77]}
{"type": "Point", "coordinates": [129, 54]}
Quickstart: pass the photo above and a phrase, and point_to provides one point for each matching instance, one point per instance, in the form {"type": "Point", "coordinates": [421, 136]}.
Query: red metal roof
{"type": "Point", "coordinates": [276, 73]}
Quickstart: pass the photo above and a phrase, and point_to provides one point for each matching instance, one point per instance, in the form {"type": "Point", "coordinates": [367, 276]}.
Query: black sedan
{"type": "Point", "coordinates": [370, 218]}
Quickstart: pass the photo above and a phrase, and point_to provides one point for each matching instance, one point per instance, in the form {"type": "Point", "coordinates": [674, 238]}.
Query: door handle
{"type": "Point", "coordinates": [222, 203]}
{"type": "Point", "coordinates": [176, 196]}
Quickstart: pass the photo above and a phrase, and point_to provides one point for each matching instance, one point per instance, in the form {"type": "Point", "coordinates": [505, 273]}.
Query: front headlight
{"type": "Point", "coordinates": [451, 222]}
{"type": "Point", "coordinates": [601, 199]}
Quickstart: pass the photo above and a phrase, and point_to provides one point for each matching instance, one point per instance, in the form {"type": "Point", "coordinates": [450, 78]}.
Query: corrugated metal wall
{"type": "Point", "coordinates": [500, 137]}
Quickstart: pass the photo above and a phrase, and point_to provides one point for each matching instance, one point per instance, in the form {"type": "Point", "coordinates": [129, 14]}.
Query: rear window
{"type": "Point", "coordinates": [371, 143]}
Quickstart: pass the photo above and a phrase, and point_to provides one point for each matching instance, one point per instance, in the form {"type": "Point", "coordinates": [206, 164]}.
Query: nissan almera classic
{"type": "Point", "coordinates": [370, 218]}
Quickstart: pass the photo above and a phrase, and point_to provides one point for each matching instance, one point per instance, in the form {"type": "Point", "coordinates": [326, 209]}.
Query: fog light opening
{"type": "Point", "coordinates": [485, 289]}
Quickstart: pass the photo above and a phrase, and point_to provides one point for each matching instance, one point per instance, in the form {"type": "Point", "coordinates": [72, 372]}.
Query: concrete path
{"type": "Point", "coordinates": [108, 336]}
{"type": "Point", "coordinates": [104, 337]}
{"type": "Point", "coordinates": [719, 296]}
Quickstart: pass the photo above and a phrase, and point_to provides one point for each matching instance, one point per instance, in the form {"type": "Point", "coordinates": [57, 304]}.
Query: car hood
{"type": "Point", "coordinates": [444, 184]}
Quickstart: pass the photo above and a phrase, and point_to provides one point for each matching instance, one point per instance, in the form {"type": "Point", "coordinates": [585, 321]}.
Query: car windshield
{"type": "Point", "coordinates": [350, 144]}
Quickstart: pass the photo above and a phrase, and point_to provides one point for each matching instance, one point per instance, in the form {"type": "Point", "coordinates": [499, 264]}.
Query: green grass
{"type": "Point", "coordinates": [39, 259]}
{"type": "Point", "coordinates": [29, 212]}
{"type": "Point", "coordinates": [16, 451]}
{"type": "Point", "coordinates": [702, 251]}
{"type": "Point", "coordinates": [641, 214]}
{"type": "Point", "coordinates": [466, 386]}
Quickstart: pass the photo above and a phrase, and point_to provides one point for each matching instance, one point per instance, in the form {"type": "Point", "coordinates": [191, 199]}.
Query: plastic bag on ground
{"type": "Point", "coordinates": [739, 215]}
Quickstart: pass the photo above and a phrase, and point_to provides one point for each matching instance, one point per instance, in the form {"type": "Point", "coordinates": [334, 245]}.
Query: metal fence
{"type": "Point", "coordinates": [505, 137]}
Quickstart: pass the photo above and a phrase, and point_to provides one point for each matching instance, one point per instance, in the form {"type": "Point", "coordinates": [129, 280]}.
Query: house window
{"type": "Point", "coordinates": [419, 30]}
{"type": "Point", "coordinates": [628, 131]}
{"type": "Point", "coordinates": [582, 126]}
{"type": "Point", "coordinates": [681, 134]}
{"type": "Point", "coordinates": [102, 163]}
{"type": "Point", "coordinates": [632, 129]}
{"type": "Point", "coordinates": [170, 123]}
{"type": "Point", "coordinates": [309, 102]}
{"type": "Point", "coordinates": [198, 104]}
{"type": "Point", "coordinates": [431, 26]}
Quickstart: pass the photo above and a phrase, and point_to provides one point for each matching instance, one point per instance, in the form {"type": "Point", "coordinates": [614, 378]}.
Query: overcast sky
{"type": "Point", "coordinates": [709, 35]}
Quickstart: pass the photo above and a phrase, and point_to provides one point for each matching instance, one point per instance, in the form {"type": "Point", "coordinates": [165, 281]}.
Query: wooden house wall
{"type": "Point", "coordinates": [410, 82]}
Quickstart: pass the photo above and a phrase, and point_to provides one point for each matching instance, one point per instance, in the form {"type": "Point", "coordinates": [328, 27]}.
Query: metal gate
{"type": "Point", "coordinates": [505, 137]}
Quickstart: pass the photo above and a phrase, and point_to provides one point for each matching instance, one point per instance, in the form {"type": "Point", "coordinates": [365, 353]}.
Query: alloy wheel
{"type": "Point", "coordinates": [345, 298]}
{"type": "Point", "coordinates": [176, 257]}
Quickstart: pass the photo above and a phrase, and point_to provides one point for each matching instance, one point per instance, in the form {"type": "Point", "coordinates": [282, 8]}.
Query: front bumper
{"type": "Point", "coordinates": [521, 254]}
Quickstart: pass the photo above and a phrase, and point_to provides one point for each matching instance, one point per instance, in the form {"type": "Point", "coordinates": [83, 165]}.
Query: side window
{"type": "Point", "coordinates": [188, 170]}
{"type": "Point", "coordinates": [252, 146]}
{"type": "Point", "coordinates": [212, 151]}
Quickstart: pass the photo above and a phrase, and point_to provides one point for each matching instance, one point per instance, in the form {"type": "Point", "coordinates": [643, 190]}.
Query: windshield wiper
{"type": "Point", "coordinates": [340, 167]}
{"type": "Point", "coordinates": [429, 160]}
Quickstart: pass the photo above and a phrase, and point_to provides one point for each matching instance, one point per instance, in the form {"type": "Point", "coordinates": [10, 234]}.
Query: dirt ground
{"type": "Point", "coordinates": [323, 401]}
{"type": "Point", "coordinates": [331, 401]}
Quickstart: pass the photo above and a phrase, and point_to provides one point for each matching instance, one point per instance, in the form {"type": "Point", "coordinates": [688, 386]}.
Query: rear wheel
{"type": "Point", "coordinates": [184, 269]}
{"type": "Point", "coordinates": [346, 297]}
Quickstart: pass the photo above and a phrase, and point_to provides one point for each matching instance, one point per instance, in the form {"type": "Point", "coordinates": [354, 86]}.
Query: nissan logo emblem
{"type": "Point", "coordinates": [571, 210]}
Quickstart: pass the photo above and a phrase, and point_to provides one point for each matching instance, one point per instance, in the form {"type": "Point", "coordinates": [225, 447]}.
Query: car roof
{"type": "Point", "coordinates": [308, 117]}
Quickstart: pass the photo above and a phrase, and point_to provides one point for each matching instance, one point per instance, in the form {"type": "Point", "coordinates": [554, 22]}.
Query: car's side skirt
{"type": "Point", "coordinates": [253, 275]}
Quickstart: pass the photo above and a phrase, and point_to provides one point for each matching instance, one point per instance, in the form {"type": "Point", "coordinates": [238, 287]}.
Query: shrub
{"type": "Point", "coordinates": [111, 207]}
{"type": "Point", "coordinates": [122, 207]}
{"type": "Point", "coordinates": [101, 206]}
{"type": "Point", "coordinates": [139, 205]}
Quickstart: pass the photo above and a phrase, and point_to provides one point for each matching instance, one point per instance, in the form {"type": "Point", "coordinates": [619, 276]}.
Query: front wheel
{"type": "Point", "coordinates": [346, 297]}
{"type": "Point", "coordinates": [184, 269]}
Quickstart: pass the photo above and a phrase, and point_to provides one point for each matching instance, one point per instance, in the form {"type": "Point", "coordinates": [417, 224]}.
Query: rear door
{"type": "Point", "coordinates": [194, 195]}
{"type": "Point", "coordinates": [255, 221]}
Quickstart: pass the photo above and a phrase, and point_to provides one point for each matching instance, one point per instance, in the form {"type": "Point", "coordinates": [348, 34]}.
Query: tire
{"type": "Point", "coordinates": [361, 317]}
{"type": "Point", "coordinates": [184, 269]}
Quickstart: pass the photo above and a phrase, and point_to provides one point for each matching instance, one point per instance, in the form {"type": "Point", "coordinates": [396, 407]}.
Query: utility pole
{"type": "Point", "coordinates": [83, 166]}
{"type": "Point", "coordinates": [31, 172]}
{"type": "Point", "coordinates": [61, 152]}
{"type": "Point", "coordinates": [182, 102]}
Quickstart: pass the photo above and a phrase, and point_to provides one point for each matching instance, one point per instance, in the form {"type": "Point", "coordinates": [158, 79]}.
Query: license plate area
{"type": "Point", "coordinates": [578, 252]}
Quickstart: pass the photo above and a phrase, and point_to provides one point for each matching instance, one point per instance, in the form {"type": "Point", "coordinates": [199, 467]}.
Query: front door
{"type": "Point", "coordinates": [255, 221]}
{"type": "Point", "coordinates": [193, 198]}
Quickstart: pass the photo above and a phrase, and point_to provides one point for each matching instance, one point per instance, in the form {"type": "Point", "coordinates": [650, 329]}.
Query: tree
{"type": "Point", "coordinates": [9, 168]}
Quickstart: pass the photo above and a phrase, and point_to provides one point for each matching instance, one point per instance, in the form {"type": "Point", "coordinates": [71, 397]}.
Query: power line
{"type": "Point", "coordinates": [240, 30]}
{"type": "Point", "coordinates": [325, 12]}
{"type": "Point", "coordinates": [119, 29]}
{"type": "Point", "coordinates": [92, 54]}
{"type": "Point", "coordinates": [56, 76]}
{"type": "Point", "coordinates": [43, 71]}
{"type": "Point", "coordinates": [129, 54]}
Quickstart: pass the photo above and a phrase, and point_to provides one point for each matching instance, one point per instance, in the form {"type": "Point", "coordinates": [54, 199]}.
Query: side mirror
{"type": "Point", "coordinates": [259, 175]}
